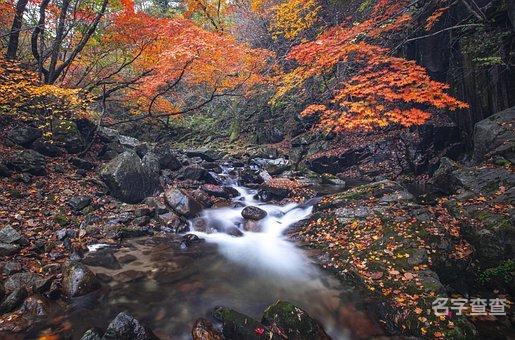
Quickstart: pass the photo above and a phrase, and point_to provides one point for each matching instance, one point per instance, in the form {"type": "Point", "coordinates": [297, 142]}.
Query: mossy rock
{"type": "Point", "coordinates": [293, 322]}
{"type": "Point", "coordinates": [240, 326]}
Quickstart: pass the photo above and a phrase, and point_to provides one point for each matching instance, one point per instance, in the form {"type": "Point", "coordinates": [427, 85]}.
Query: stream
{"type": "Point", "coordinates": [167, 286]}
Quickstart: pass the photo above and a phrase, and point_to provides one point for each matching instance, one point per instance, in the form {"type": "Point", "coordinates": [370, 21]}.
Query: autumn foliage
{"type": "Point", "coordinates": [373, 88]}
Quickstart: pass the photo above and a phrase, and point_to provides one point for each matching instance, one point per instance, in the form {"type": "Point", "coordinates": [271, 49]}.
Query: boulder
{"type": "Point", "coordinates": [67, 134]}
{"type": "Point", "coordinates": [190, 239]}
{"type": "Point", "coordinates": [82, 163]}
{"type": "Point", "coordinates": [203, 330]}
{"type": "Point", "coordinates": [216, 190]}
{"type": "Point", "coordinates": [78, 279]}
{"type": "Point", "coordinates": [293, 322]}
{"type": "Point", "coordinates": [196, 173]}
{"type": "Point", "coordinates": [182, 203]}
{"type": "Point", "coordinates": [495, 135]}
{"type": "Point", "coordinates": [125, 326]}
{"type": "Point", "coordinates": [24, 135]}
{"type": "Point", "coordinates": [46, 147]}
{"type": "Point", "coordinates": [167, 157]}
{"type": "Point", "coordinates": [241, 326]}
{"type": "Point", "coordinates": [253, 213]}
{"type": "Point", "coordinates": [28, 161]}
{"type": "Point", "coordinates": [102, 258]}
{"type": "Point", "coordinates": [128, 179]}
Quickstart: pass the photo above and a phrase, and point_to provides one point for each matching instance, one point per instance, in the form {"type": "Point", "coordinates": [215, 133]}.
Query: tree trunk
{"type": "Point", "coordinates": [14, 35]}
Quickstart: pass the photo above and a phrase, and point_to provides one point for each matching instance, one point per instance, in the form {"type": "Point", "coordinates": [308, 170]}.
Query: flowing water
{"type": "Point", "coordinates": [167, 286]}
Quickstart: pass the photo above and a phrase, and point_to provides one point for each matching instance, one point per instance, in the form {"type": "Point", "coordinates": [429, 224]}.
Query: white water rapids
{"type": "Point", "coordinates": [265, 251]}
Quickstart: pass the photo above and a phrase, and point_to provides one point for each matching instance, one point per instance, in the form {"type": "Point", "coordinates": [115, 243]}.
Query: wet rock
{"type": "Point", "coordinates": [36, 306]}
{"type": "Point", "coordinates": [92, 334]}
{"type": "Point", "coordinates": [203, 330]}
{"type": "Point", "coordinates": [234, 231]}
{"type": "Point", "coordinates": [13, 300]}
{"type": "Point", "coordinates": [101, 258]}
{"type": "Point", "coordinates": [293, 322]}
{"type": "Point", "coordinates": [182, 203]}
{"type": "Point", "coordinates": [196, 173]}
{"type": "Point", "coordinates": [215, 190]}
{"type": "Point", "coordinates": [129, 276]}
{"type": "Point", "coordinates": [249, 177]}
{"type": "Point", "coordinates": [232, 192]}
{"type": "Point", "coordinates": [4, 169]}
{"type": "Point", "coordinates": [124, 326]}
{"type": "Point", "coordinates": [128, 179]}
{"type": "Point", "coordinates": [190, 239]}
{"type": "Point", "coordinates": [495, 135]}
{"type": "Point", "coordinates": [78, 203]}
{"type": "Point", "coordinates": [24, 135]}
{"type": "Point", "coordinates": [252, 225]}
{"type": "Point", "coordinates": [124, 259]}
{"type": "Point", "coordinates": [241, 326]}
{"type": "Point", "coordinates": [8, 249]}
{"type": "Point", "coordinates": [253, 213]}
{"type": "Point", "coordinates": [78, 279]}
{"type": "Point", "coordinates": [9, 235]}
{"type": "Point", "coordinates": [133, 231]}
{"type": "Point", "coordinates": [28, 161]}
{"type": "Point", "coordinates": [46, 148]}
{"type": "Point", "coordinates": [83, 164]}
{"type": "Point", "coordinates": [276, 166]}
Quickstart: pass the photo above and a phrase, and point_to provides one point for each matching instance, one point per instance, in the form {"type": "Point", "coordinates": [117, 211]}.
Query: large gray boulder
{"type": "Point", "coordinates": [495, 135]}
{"type": "Point", "coordinates": [128, 179]}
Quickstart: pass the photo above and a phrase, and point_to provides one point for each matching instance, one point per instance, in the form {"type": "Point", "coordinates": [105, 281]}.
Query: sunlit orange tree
{"type": "Point", "coordinates": [364, 85]}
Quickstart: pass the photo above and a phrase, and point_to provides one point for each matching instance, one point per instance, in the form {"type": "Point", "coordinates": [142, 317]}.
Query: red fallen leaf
{"type": "Point", "coordinates": [376, 275]}
{"type": "Point", "coordinates": [259, 331]}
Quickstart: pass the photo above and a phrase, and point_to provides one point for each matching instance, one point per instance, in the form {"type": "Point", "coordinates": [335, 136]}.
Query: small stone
{"type": "Point", "coordinates": [9, 235]}
{"type": "Point", "coordinates": [78, 203]}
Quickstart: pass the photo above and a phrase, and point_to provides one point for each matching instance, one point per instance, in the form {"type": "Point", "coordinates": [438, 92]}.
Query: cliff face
{"type": "Point", "coordinates": [476, 59]}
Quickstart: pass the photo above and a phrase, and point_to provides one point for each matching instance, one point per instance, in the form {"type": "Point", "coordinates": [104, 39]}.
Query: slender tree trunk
{"type": "Point", "coordinates": [14, 35]}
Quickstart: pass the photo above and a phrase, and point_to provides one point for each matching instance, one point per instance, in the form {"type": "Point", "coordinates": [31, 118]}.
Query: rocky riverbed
{"type": "Point", "coordinates": [141, 240]}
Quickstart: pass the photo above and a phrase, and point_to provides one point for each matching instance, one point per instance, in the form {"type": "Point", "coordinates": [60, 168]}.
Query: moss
{"type": "Point", "coordinates": [62, 220]}
{"type": "Point", "coordinates": [503, 273]}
